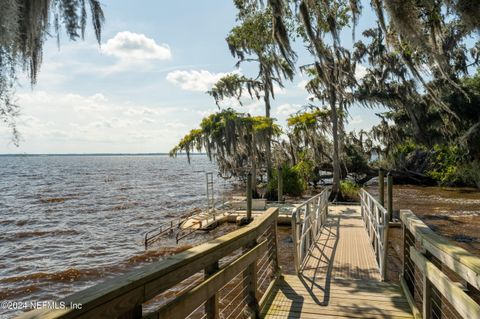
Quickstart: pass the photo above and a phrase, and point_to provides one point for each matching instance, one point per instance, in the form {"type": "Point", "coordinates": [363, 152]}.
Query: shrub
{"type": "Point", "coordinates": [305, 169]}
{"type": "Point", "coordinates": [402, 154]}
{"type": "Point", "coordinates": [446, 163]}
{"type": "Point", "coordinates": [469, 173]}
{"type": "Point", "coordinates": [293, 183]}
{"type": "Point", "coordinates": [349, 190]}
{"type": "Point", "coordinates": [355, 159]}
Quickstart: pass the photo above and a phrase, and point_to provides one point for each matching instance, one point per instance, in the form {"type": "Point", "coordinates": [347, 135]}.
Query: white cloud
{"type": "Point", "coordinates": [95, 122]}
{"type": "Point", "coordinates": [357, 119]}
{"type": "Point", "coordinates": [279, 90]}
{"type": "Point", "coordinates": [302, 84]}
{"type": "Point", "coordinates": [194, 80]}
{"type": "Point", "coordinates": [360, 72]}
{"type": "Point", "coordinates": [128, 45]}
{"type": "Point", "coordinates": [254, 108]}
{"type": "Point", "coordinates": [287, 109]}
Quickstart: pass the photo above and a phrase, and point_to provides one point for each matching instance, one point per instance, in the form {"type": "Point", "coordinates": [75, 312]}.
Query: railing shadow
{"type": "Point", "coordinates": [320, 266]}
{"type": "Point", "coordinates": [297, 300]}
{"type": "Point", "coordinates": [332, 229]}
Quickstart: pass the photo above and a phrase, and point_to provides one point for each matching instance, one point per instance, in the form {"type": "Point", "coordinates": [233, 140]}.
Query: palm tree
{"type": "Point", "coordinates": [24, 26]}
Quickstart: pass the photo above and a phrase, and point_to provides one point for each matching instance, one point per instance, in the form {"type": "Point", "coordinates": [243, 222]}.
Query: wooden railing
{"type": "Point", "coordinates": [228, 277]}
{"type": "Point", "coordinates": [440, 279]}
{"type": "Point", "coordinates": [307, 220]}
{"type": "Point", "coordinates": [376, 220]}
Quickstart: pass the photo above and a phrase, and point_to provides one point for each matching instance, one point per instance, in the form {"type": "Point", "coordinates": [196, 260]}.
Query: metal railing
{"type": "Point", "coordinates": [228, 277]}
{"type": "Point", "coordinates": [307, 219]}
{"type": "Point", "coordinates": [155, 234]}
{"type": "Point", "coordinates": [439, 278]}
{"type": "Point", "coordinates": [375, 217]}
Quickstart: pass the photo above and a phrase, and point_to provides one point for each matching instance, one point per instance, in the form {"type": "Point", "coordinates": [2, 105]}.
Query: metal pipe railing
{"type": "Point", "coordinates": [376, 218]}
{"type": "Point", "coordinates": [307, 219]}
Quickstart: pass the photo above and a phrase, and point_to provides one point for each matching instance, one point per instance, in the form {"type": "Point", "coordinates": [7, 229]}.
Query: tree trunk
{"type": "Point", "coordinates": [268, 150]}
{"type": "Point", "coordinates": [254, 167]}
{"type": "Point", "coordinates": [336, 158]}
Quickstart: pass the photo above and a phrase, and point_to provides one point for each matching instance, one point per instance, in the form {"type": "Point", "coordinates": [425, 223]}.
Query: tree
{"type": "Point", "coordinates": [333, 70]}
{"type": "Point", "coordinates": [252, 41]}
{"type": "Point", "coordinates": [24, 26]}
{"type": "Point", "coordinates": [236, 141]}
{"type": "Point", "coordinates": [333, 73]}
{"type": "Point", "coordinates": [309, 132]}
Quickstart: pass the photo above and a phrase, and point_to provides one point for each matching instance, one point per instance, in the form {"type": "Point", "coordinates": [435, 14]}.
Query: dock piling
{"type": "Point", "coordinates": [249, 197]}
{"type": "Point", "coordinates": [381, 187]}
{"type": "Point", "coordinates": [280, 183]}
{"type": "Point", "coordinates": [390, 195]}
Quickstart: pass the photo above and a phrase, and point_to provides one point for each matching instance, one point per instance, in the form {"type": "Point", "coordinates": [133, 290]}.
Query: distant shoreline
{"type": "Point", "coordinates": [98, 154]}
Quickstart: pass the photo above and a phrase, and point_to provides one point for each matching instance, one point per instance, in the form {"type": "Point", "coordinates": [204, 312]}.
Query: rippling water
{"type": "Point", "coordinates": [451, 212]}
{"type": "Point", "coordinates": [67, 222]}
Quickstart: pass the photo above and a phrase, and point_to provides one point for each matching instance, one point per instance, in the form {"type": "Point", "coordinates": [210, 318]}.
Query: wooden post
{"type": "Point", "coordinates": [250, 275]}
{"type": "Point", "coordinates": [249, 197]}
{"type": "Point", "coordinates": [295, 235]}
{"type": "Point", "coordinates": [381, 187]}
{"type": "Point", "coordinates": [211, 305]}
{"type": "Point", "coordinates": [404, 233]}
{"type": "Point", "coordinates": [427, 298]}
{"type": "Point", "coordinates": [280, 183]}
{"type": "Point", "coordinates": [277, 260]}
{"type": "Point", "coordinates": [436, 298]}
{"type": "Point", "coordinates": [135, 313]}
{"type": "Point", "coordinates": [385, 247]}
{"type": "Point", "coordinates": [390, 195]}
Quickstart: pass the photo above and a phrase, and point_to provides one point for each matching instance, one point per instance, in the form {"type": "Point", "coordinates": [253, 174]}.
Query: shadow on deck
{"type": "Point", "coordinates": [340, 277]}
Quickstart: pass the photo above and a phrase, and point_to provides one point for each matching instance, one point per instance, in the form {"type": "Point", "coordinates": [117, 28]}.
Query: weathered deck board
{"type": "Point", "coordinates": [343, 249]}
{"type": "Point", "coordinates": [340, 278]}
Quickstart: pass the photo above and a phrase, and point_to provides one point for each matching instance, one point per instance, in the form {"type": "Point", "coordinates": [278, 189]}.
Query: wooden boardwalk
{"type": "Point", "coordinates": [340, 277]}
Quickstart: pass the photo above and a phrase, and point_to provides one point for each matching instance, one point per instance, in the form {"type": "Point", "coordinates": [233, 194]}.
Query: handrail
{"type": "Point", "coordinates": [254, 270]}
{"type": "Point", "coordinates": [307, 219]}
{"type": "Point", "coordinates": [443, 276]}
{"type": "Point", "coordinates": [375, 217]}
{"type": "Point", "coordinates": [156, 233]}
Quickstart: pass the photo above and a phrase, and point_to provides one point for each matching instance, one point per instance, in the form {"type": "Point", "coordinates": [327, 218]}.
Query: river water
{"type": "Point", "coordinates": [68, 222]}
{"type": "Point", "coordinates": [451, 212]}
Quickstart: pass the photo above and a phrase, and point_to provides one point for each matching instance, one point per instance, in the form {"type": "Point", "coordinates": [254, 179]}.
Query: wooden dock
{"type": "Point", "coordinates": [340, 261]}
{"type": "Point", "coordinates": [340, 277]}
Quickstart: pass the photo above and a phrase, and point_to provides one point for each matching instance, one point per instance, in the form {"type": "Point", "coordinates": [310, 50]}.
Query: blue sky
{"type": "Point", "coordinates": [144, 88]}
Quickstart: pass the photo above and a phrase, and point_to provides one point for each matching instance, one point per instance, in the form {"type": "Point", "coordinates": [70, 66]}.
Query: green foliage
{"type": "Point", "coordinates": [402, 151]}
{"type": "Point", "coordinates": [235, 140]}
{"type": "Point", "coordinates": [293, 182]}
{"type": "Point", "coordinates": [469, 173]}
{"type": "Point", "coordinates": [407, 147]}
{"type": "Point", "coordinates": [355, 158]}
{"type": "Point", "coordinates": [308, 119]}
{"type": "Point", "coordinates": [234, 85]}
{"type": "Point", "coordinates": [253, 35]}
{"type": "Point", "coordinates": [446, 161]}
{"type": "Point", "coordinates": [349, 190]}
{"type": "Point", "coordinates": [305, 168]}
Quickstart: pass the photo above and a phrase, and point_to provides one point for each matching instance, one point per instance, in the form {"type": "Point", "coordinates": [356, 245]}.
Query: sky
{"type": "Point", "coordinates": [144, 87]}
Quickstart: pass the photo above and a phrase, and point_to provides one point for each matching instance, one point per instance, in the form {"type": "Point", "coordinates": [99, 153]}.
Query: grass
{"type": "Point", "coordinates": [349, 190]}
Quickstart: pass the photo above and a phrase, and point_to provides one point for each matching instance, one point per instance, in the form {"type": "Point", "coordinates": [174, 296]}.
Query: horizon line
{"type": "Point", "coordinates": [96, 154]}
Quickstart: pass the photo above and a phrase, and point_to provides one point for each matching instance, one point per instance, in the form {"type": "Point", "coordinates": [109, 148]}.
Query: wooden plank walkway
{"type": "Point", "coordinates": [340, 278]}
